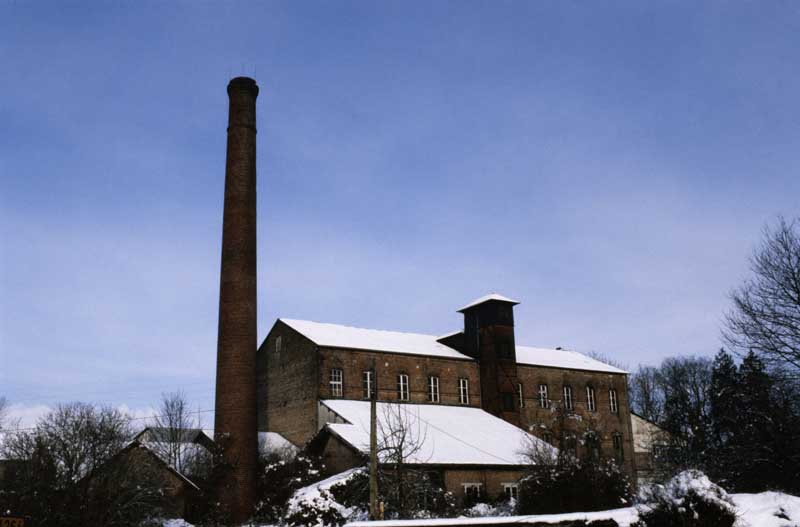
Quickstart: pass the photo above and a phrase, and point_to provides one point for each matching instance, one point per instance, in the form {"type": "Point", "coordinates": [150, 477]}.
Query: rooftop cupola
{"type": "Point", "coordinates": [489, 338]}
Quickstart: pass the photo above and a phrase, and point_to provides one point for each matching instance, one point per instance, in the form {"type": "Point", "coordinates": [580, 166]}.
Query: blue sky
{"type": "Point", "coordinates": [611, 166]}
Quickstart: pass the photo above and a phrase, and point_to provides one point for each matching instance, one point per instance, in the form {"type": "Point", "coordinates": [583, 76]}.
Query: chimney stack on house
{"type": "Point", "coordinates": [235, 405]}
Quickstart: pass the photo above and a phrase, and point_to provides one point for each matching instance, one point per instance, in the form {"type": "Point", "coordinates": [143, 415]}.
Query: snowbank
{"type": "Point", "coordinates": [767, 509]}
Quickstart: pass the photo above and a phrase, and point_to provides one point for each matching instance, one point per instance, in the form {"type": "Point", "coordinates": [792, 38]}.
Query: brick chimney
{"type": "Point", "coordinates": [235, 406]}
{"type": "Point", "coordinates": [489, 338]}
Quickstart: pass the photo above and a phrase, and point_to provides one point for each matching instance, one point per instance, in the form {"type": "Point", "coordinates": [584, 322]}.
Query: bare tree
{"type": "Point", "coordinates": [68, 470]}
{"type": "Point", "coordinates": [646, 392]}
{"type": "Point", "coordinates": [3, 411]}
{"type": "Point", "coordinates": [173, 431]}
{"type": "Point", "coordinates": [765, 316]}
{"type": "Point", "coordinates": [401, 440]}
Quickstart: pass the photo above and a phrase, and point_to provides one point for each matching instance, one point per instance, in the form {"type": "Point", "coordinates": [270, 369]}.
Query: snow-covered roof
{"type": "Point", "coordinates": [560, 358]}
{"type": "Point", "coordinates": [338, 336]}
{"type": "Point", "coordinates": [486, 298]}
{"type": "Point", "coordinates": [275, 442]}
{"type": "Point", "coordinates": [460, 435]}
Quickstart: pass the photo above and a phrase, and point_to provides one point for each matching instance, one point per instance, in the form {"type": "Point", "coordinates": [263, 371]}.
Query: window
{"type": "Point", "coordinates": [463, 391]}
{"type": "Point", "coordinates": [508, 401]}
{"type": "Point", "coordinates": [544, 401]}
{"type": "Point", "coordinates": [612, 400]}
{"type": "Point", "coordinates": [472, 492]}
{"type": "Point", "coordinates": [567, 397]}
{"type": "Point", "coordinates": [278, 342]}
{"type": "Point", "coordinates": [368, 382]}
{"type": "Point", "coordinates": [402, 387]}
{"type": "Point", "coordinates": [521, 396]}
{"type": "Point", "coordinates": [571, 443]}
{"type": "Point", "coordinates": [590, 403]}
{"type": "Point", "coordinates": [336, 382]}
{"type": "Point", "coordinates": [433, 389]}
{"type": "Point", "coordinates": [548, 437]}
{"type": "Point", "coordinates": [592, 445]}
{"type": "Point", "coordinates": [511, 491]}
{"type": "Point", "coordinates": [616, 440]}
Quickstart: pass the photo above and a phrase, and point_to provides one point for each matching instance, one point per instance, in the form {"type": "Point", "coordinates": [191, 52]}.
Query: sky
{"type": "Point", "coordinates": [609, 165]}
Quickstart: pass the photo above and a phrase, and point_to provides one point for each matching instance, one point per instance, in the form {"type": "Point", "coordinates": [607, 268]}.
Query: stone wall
{"type": "Point", "coordinates": [287, 385]}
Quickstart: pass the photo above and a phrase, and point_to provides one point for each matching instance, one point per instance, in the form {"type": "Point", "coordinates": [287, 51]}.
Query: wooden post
{"type": "Point", "coordinates": [374, 509]}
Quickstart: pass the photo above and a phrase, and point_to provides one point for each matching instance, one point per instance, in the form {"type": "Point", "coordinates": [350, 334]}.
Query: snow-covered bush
{"type": "Point", "coordinates": [572, 485]}
{"type": "Point", "coordinates": [689, 499]}
{"type": "Point", "coordinates": [279, 477]}
{"type": "Point", "coordinates": [501, 508]}
{"type": "Point", "coordinates": [316, 505]}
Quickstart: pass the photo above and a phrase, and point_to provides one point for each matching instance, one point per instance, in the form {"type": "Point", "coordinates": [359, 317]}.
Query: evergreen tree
{"type": "Point", "coordinates": [724, 416]}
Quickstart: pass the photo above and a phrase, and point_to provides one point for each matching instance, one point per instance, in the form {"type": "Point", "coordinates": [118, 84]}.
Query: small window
{"type": "Point", "coordinates": [336, 382]}
{"type": "Point", "coordinates": [508, 401]}
{"type": "Point", "coordinates": [612, 401]}
{"type": "Point", "coordinates": [592, 446]}
{"type": "Point", "coordinates": [278, 342]}
{"type": "Point", "coordinates": [472, 492]}
{"type": "Point", "coordinates": [463, 391]}
{"type": "Point", "coordinates": [571, 443]}
{"type": "Point", "coordinates": [544, 401]}
{"type": "Point", "coordinates": [568, 397]}
{"type": "Point", "coordinates": [520, 396]}
{"type": "Point", "coordinates": [616, 440]}
{"type": "Point", "coordinates": [402, 387]}
{"type": "Point", "coordinates": [433, 389]}
{"type": "Point", "coordinates": [368, 383]}
{"type": "Point", "coordinates": [590, 402]}
{"type": "Point", "coordinates": [548, 437]}
{"type": "Point", "coordinates": [511, 491]}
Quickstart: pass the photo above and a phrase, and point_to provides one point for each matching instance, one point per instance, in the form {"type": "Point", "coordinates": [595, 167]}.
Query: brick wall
{"type": "Point", "coordinates": [490, 478]}
{"type": "Point", "coordinates": [287, 385]}
{"type": "Point", "coordinates": [540, 421]}
{"type": "Point", "coordinates": [388, 365]}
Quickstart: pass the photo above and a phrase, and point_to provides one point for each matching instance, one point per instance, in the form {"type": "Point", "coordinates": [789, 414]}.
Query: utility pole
{"type": "Point", "coordinates": [374, 508]}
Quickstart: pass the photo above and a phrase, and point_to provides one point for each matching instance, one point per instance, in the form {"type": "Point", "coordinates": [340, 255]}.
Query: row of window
{"type": "Point", "coordinates": [368, 384]}
{"type": "Point", "coordinates": [592, 443]}
{"type": "Point", "coordinates": [568, 401]}
{"type": "Point", "coordinates": [403, 391]}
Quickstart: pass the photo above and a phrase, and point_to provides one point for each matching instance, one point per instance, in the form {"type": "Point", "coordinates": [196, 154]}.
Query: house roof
{"type": "Point", "coordinates": [372, 339]}
{"type": "Point", "coordinates": [561, 358]}
{"type": "Point", "coordinates": [166, 435]}
{"type": "Point", "coordinates": [451, 435]}
{"type": "Point", "coordinates": [487, 298]}
{"type": "Point", "coordinates": [337, 336]}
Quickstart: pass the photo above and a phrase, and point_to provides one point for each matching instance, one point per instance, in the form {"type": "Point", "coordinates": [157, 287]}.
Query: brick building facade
{"type": "Point", "coordinates": [559, 396]}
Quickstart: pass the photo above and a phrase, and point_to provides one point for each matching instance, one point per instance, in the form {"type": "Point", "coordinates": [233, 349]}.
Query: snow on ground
{"type": "Point", "coordinates": [624, 517]}
{"type": "Point", "coordinates": [767, 509]}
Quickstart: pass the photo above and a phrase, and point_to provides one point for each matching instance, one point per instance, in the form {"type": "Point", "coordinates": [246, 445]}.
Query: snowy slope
{"type": "Point", "coordinates": [449, 434]}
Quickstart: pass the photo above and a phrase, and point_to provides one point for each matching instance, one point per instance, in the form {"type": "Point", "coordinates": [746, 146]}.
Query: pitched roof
{"type": "Point", "coordinates": [461, 435]}
{"type": "Point", "coordinates": [338, 336]}
{"type": "Point", "coordinates": [372, 339]}
{"type": "Point", "coordinates": [486, 298]}
{"type": "Point", "coordinates": [561, 358]}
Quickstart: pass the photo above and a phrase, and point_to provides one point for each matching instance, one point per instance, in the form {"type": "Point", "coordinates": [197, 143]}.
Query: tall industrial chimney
{"type": "Point", "coordinates": [235, 407]}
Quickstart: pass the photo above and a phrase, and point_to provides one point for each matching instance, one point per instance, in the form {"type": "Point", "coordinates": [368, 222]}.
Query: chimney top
{"type": "Point", "coordinates": [245, 84]}
{"type": "Point", "coordinates": [488, 298]}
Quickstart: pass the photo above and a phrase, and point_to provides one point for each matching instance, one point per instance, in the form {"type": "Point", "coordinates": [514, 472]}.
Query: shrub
{"type": "Point", "coordinates": [279, 478]}
{"type": "Point", "coordinates": [689, 499]}
{"type": "Point", "coordinates": [571, 485]}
